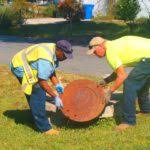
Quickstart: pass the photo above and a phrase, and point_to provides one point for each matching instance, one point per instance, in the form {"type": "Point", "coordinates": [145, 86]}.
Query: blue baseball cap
{"type": "Point", "coordinates": [66, 47]}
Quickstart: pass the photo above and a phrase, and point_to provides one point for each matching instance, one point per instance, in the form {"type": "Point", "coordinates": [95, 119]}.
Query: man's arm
{"type": "Point", "coordinates": [110, 78]}
{"type": "Point", "coordinates": [44, 85]}
{"type": "Point", "coordinates": [59, 87]}
{"type": "Point", "coordinates": [121, 76]}
{"type": "Point", "coordinates": [54, 79]}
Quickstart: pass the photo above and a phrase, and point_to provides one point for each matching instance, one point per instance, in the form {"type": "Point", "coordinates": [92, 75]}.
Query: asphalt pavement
{"type": "Point", "coordinates": [81, 64]}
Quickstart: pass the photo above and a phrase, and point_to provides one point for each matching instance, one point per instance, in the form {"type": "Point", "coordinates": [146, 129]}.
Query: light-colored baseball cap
{"type": "Point", "coordinates": [96, 41]}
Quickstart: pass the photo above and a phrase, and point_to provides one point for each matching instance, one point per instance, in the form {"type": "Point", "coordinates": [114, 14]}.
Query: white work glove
{"type": "Point", "coordinates": [108, 93]}
{"type": "Point", "coordinates": [58, 102]}
{"type": "Point", "coordinates": [102, 82]}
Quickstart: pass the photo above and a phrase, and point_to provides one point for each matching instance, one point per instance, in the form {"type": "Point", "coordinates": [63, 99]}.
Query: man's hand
{"type": "Point", "coordinates": [102, 82]}
{"type": "Point", "coordinates": [58, 102]}
{"type": "Point", "coordinates": [44, 85]}
{"type": "Point", "coordinates": [59, 88]}
{"type": "Point", "coordinates": [108, 93]}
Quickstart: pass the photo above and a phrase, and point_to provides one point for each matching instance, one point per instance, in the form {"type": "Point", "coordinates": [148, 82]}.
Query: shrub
{"type": "Point", "coordinates": [71, 10]}
{"type": "Point", "coordinates": [34, 11]}
{"type": "Point", "coordinates": [20, 6]}
{"type": "Point", "coordinates": [127, 10]}
{"type": "Point", "coordinates": [49, 10]}
{"type": "Point", "coordinates": [143, 20]}
{"type": "Point", "coordinates": [101, 17]}
{"type": "Point", "coordinates": [9, 17]}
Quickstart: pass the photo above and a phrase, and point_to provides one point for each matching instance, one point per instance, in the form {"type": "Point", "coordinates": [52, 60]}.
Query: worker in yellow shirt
{"type": "Point", "coordinates": [127, 51]}
{"type": "Point", "coordinates": [34, 66]}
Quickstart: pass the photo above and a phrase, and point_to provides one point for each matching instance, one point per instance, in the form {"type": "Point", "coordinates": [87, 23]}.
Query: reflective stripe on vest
{"type": "Point", "coordinates": [24, 57]}
{"type": "Point", "coordinates": [24, 86]}
{"type": "Point", "coordinates": [31, 78]}
{"type": "Point", "coordinates": [27, 69]}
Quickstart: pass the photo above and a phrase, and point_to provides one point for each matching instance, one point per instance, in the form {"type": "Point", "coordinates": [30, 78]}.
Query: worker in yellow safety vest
{"type": "Point", "coordinates": [33, 67]}
{"type": "Point", "coordinates": [127, 51]}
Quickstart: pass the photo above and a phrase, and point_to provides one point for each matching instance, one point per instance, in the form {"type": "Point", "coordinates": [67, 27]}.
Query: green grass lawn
{"type": "Point", "coordinates": [82, 31]}
{"type": "Point", "coordinates": [17, 131]}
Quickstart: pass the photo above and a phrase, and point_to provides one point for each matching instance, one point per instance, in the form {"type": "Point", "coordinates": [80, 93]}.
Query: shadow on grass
{"type": "Point", "coordinates": [61, 121]}
{"type": "Point", "coordinates": [23, 117]}
{"type": "Point", "coordinates": [58, 119]}
{"type": "Point", "coordinates": [78, 34]}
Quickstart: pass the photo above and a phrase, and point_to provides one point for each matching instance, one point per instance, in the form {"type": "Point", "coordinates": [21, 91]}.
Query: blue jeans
{"type": "Point", "coordinates": [136, 86]}
{"type": "Point", "coordinates": [36, 103]}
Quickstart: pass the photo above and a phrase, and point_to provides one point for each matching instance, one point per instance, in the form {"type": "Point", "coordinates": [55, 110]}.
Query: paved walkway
{"type": "Point", "coordinates": [35, 21]}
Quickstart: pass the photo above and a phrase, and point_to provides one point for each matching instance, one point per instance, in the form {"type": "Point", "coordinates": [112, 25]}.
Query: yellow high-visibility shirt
{"type": "Point", "coordinates": [127, 51]}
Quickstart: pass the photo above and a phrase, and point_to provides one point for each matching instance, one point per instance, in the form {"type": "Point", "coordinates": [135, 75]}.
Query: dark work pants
{"type": "Point", "coordinates": [136, 86]}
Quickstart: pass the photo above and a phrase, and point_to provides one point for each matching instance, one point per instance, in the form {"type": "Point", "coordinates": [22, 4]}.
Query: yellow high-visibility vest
{"type": "Point", "coordinates": [24, 57]}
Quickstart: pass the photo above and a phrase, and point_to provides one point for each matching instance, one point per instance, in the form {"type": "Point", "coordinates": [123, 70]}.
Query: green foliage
{"type": "Point", "coordinates": [101, 17]}
{"type": "Point", "coordinates": [49, 10]}
{"type": "Point", "coordinates": [9, 17]}
{"type": "Point", "coordinates": [72, 10]}
{"type": "Point", "coordinates": [143, 20]}
{"type": "Point", "coordinates": [12, 15]}
{"type": "Point", "coordinates": [1, 1]}
{"type": "Point", "coordinates": [20, 6]}
{"type": "Point", "coordinates": [127, 10]}
{"type": "Point", "coordinates": [111, 9]}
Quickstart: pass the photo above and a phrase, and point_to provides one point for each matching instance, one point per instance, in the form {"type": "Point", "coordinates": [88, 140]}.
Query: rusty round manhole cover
{"type": "Point", "coordinates": [83, 100]}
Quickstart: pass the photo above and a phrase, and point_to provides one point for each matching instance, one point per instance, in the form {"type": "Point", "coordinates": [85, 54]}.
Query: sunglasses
{"type": "Point", "coordinates": [90, 47]}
